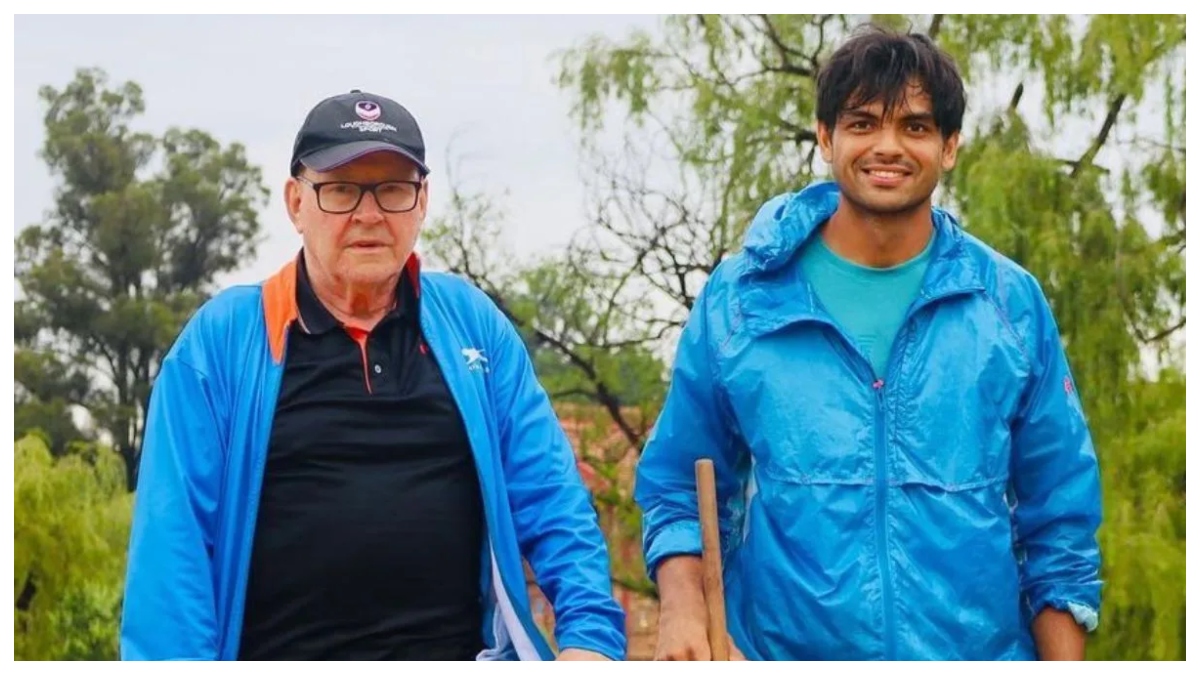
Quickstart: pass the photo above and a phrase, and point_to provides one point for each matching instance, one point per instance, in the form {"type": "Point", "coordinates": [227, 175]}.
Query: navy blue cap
{"type": "Point", "coordinates": [345, 127]}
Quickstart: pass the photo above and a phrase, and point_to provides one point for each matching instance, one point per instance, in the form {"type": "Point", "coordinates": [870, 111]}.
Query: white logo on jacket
{"type": "Point", "coordinates": [476, 361]}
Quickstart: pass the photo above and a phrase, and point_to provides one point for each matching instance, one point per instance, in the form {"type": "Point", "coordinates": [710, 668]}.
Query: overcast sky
{"type": "Point", "coordinates": [486, 81]}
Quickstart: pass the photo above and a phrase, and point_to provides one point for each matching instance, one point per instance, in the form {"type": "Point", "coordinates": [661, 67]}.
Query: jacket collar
{"type": "Point", "coordinates": [315, 318]}
{"type": "Point", "coordinates": [281, 305]}
{"type": "Point", "coordinates": [787, 222]}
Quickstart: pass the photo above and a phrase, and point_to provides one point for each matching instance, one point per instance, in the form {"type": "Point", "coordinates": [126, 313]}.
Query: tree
{"type": "Point", "coordinates": [141, 227]}
{"type": "Point", "coordinates": [582, 328]}
{"type": "Point", "coordinates": [72, 517]}
{"type": "Point", "coordinates": [713, 115]}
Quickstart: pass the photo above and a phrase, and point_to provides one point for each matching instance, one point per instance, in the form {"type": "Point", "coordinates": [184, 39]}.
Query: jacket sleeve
{"type": "Point", "coordinates": [169, 609]}
{"type": "Point", "coordinates": [694, 424]}
{"type": "Point", "coordinates": [1056, 482]}
{"type": "Point", "coordinates": [556, 524]}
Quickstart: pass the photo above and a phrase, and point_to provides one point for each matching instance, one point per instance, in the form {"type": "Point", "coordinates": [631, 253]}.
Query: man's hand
{"type": "Point", "coordinates": [683, 615]}
{"type": "Point", "coordinates": [685, 638]}
{"type": "Point", "coordinates": [1057, 636]}
{"type": "Point", "coordinates": [573, 654]}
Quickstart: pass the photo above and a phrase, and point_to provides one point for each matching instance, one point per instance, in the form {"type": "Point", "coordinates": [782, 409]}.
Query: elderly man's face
{"type": "Point", "coordinates": [369, 244]}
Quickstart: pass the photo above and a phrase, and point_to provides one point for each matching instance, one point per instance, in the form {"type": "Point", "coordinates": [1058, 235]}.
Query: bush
{"type": "Point", "coordinates": [71, 524]}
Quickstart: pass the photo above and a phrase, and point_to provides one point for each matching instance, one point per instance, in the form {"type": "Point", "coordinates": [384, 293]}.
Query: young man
{"type": "Point", "coordinates": [350, 460]}
{"type": "Point", "coordinates": [904, 470]}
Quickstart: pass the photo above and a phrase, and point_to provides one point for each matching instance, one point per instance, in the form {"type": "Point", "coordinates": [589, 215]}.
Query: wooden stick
{"type": "Point", "coordinates": [714, 585]}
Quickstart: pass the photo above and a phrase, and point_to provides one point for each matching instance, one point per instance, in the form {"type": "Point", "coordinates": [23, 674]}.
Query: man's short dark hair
{"type": "Point", "coordinates": [877, 64]}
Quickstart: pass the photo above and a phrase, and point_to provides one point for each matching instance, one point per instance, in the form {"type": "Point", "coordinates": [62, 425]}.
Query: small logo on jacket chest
{"type": "Point", "coordinates": [476, 361]}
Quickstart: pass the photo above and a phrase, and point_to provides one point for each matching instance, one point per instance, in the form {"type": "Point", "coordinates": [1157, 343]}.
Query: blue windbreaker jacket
{"type": "Point", "coordinates": [205, 446]}
{"type": "Point", "coordinates": [930, 514]}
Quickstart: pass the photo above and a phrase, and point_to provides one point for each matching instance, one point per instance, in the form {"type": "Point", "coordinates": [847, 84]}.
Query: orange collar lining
{"type": "Point", "coordinates": [280, 308]}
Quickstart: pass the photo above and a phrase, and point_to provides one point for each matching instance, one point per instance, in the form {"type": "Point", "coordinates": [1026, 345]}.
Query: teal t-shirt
{"type": "Point", "coordinates": [868, 303]}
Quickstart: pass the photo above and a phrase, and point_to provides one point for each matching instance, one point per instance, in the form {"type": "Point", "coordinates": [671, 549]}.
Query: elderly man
{"type": "Point", "coordinates": [350, 460]}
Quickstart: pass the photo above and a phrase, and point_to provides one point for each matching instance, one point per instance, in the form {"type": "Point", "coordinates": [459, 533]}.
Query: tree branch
{"type": "Point", "coordinates": [28, 590]}
{"type": "Point", "coordinates": [785, 52]}
{"type": "Point", "coordinates": [935, 26]}
{"type": "Point", "coordinates": [1076, 165]}
{"type": "Point", "coordinates": [604, 395]}
{"type": "Point", "coordinates": [1165, 333]}
{"type": "Point", "coordinates": [819, 21]}
{"type": "Point", "coordinates": [1114, 109]}
{"type": "Point", "coordinates": [1175, 238]}
{"type": "Point", "coordinates": [574, 391]}
{"type": "Point", "coordinates": [639, 342]}
{"type": "Point", "coordinates": [1016, 96]}
{"type": "Point", "coordinates": [797, 133]}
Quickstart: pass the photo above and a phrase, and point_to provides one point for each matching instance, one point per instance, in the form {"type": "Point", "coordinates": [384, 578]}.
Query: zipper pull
{"type": "Point", "coordinates": [877, 385]}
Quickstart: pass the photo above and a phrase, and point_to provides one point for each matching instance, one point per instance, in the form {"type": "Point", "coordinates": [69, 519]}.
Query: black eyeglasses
{"type": "Point", "coordinates": [392, 196]}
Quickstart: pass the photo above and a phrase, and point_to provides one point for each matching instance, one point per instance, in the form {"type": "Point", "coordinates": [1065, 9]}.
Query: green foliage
{"type": "Point", "coordinates": [140, 229]}
{"type": "Point", "coordinates": [71, 519]}
{"type": "Point", "coordinates": [1144, 535]}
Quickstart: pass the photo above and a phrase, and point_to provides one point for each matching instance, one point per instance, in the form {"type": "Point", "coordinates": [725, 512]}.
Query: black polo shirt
{"type": "Point", "coordinates": [370, 528]}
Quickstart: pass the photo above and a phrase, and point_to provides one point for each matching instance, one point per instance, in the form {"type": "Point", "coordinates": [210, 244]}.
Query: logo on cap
{"type": "Point", "coordinates": [368, 110]}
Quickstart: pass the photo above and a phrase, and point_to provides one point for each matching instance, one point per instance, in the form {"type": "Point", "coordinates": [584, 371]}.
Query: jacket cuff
{"type": "Point", "coordinates": [1075, 599]}
{"type": "Point", "coordinates": [681, 537]}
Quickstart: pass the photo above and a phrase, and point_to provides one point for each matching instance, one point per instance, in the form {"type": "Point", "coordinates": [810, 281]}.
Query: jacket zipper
{"type": "Point", "coordinates": [881, 479]}
{"type": "Point", "coordinates": [881, 515]}
{"type": "Point", "coordinates": [881, 474]}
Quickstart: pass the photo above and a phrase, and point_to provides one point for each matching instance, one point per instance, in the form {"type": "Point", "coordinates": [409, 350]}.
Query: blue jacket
{"type": "Point", "coordinates": [205, 446]}
{"type": "Point", "coordinates": [927, 515]}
